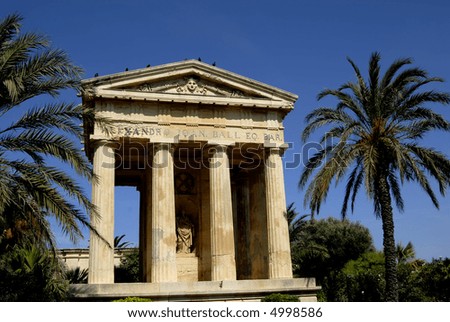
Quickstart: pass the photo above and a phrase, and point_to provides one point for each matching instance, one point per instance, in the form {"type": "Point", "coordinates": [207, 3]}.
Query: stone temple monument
{"type": "Point", "coordinates": [203, 146]}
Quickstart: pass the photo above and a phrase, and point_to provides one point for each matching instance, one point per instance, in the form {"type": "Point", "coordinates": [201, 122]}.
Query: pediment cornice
{"type": "Point", "coordinates": [188, 81]}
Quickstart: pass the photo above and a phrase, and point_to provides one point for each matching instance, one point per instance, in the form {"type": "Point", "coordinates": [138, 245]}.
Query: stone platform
{"type": "Point", "coordinates": [240, 290]}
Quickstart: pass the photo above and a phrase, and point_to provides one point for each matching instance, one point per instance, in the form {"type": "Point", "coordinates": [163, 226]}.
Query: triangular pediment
{"type": "Point", "coordinates": [188, 81]}
{"type": "Point", "coordinates": [190, 85]}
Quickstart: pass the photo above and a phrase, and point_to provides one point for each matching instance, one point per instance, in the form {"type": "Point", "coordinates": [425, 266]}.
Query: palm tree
{"type": "Point", "coordinates": [119, 243]}
{"type": "Point", "coordinates": [295, 221]}
{"type": "Point", "coordinates": [31, 188]}
{"type": "Point", "coordinates": [77, 275]}
{"type": "Point", "coordinates": [373, 136]}
{"type": "Point", "coordinates": [405, 253]}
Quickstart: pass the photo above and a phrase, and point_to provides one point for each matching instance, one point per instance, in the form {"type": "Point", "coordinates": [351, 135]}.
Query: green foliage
{"type": "Point", "coordinates": [128, 271]}
{"type": "Point", "coordinates": [323, 247]}
{"type": "Point", "coordinates": [119, 243]}
{"type": "Point", "coordinates": [434, 279]}
{"type": "Point", "coordinates": [296, 222]}
{"type": "Point", "coordinates": [31, 274]}
{"type": "Point", "coordinates": [277, 297]}
{"type": "Point", "coordinates": [371, 138]}
{"type": "Point", "coordinates": [405, 253]}
{"type": "Point", "coordinates": [412, 286]}
{"type": "Point", "coordinates": [362, 280]}
{"type": "Point", "coordinates": [77, 276]}
{"type": "Point", "coordinates": [133, 299]}
{"type": "Point", "coordinates": [32, 190]}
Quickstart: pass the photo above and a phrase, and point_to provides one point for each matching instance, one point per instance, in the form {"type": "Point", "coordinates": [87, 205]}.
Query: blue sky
{"type": "Point", "coordinates": [299, 46]}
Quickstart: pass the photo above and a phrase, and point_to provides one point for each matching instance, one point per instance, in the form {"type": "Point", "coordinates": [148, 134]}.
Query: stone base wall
{"type": "Point", "coordinates": [205, 291]}
{"type": "Point", "coordinates": [187, 264]}
{"type": "Point", "coordinates": [79, 257]}
{"type": "Point", "coordinates": [188, 288]}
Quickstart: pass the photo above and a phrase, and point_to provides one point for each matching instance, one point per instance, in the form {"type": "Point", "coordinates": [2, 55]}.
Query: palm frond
{"type": "Point", "coordinates": [352, 180]}
{"type": "Point", "coordinates": [31, 190]}
{"type": "Point", "coordinates": [9, 28]}
{"type": "Point", "coordinates": [374, 73]}
{"type": "Point", "coordinates": [436, 163]}
{"type": "Point", "coordinates": [392, 70]}
{"type": "Point", "coordinates": [396, 191]}
{"type": "Point", "coordinates": [61, 116]}
{"type": "Point", "coordinates": [323, 116]}
{"type": "Point", "coordinates": [50, 144]}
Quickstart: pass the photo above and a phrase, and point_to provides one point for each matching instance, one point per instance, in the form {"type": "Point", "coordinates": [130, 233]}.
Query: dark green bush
{"type": "Point", "coordinates": [277, 297]}
{"type": "Point", "coordinates": [133, 299]}
{"type": "Point", "coordinates": [128, 270]}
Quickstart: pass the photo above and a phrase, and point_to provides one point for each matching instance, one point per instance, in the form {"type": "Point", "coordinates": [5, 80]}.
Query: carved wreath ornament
{"type": "Point", "coordinates": [191, 85]}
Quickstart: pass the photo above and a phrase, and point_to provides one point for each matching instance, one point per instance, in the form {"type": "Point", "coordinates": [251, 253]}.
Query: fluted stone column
{"type": "Point", "coordinates": [223, 265]}
{"type": "Point", "coordinates": [147, 222]}
{"type": "Point", "coordinates": [280, 265]}
{"type": "Point", "coordinates": [163, 235]}
{"type": "Point", "coordinates": [101, 252]}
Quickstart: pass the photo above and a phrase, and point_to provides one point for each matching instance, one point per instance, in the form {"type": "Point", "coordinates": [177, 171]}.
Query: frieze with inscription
{"type": "Point", "coordinates": [185, 133]}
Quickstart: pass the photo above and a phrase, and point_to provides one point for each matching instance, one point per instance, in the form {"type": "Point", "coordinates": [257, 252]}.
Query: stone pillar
{"type": "Point", "coordinates": [147, 222]}
{"type": "Point", "coordinates": [280, 265]}
{"type": "Point", "coordinates": [223, 266]}
{"type": "Point", "coordinates": [142, 230]}
{"type": "Point", "coordinates": [101, 251]}
{"type": "Point", "coordinates": [163, 235]}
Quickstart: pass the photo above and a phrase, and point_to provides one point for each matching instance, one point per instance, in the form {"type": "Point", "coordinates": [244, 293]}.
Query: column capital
{"type": "Point", "coordinates": [276, 148]}
{"type": "Point", "coordinates": [162, 146]}
{"type": "Point", "coordinates": [217, 147]}
{"type": "Point", "coordinates": [163, 160]}
{"type": "Point", "coordinates": [165, 140]}
{"type": "Point", "coordinates": [221, 143]}
{"type": "Point", "coordinates": [279, 149]}
{"type": "Point", "coordinates": [105, 142]}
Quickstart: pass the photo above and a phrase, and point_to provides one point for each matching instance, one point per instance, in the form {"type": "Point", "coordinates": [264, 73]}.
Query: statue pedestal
{"type": "Point", "coordinates": [187, 267]}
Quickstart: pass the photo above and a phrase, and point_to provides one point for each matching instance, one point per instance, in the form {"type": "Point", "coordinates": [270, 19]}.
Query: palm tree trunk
{"type": "Point", "coordinates": [387, 218]}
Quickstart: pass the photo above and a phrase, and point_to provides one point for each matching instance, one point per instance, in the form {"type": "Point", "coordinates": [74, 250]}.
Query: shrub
{"type": "Point", "coordinates": [277, 297]}
{"type": "Point", "coordinates": [133, 299]}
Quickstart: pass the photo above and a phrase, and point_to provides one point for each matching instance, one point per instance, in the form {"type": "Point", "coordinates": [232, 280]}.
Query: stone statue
{"type": "Point", "coordinates": [185, 234]}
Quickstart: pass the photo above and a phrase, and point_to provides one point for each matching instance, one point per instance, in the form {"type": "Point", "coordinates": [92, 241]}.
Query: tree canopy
{"type": "Point", "coordinates": [32, 188]}
{"type": "Point", "coordinates": [321, 248]}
